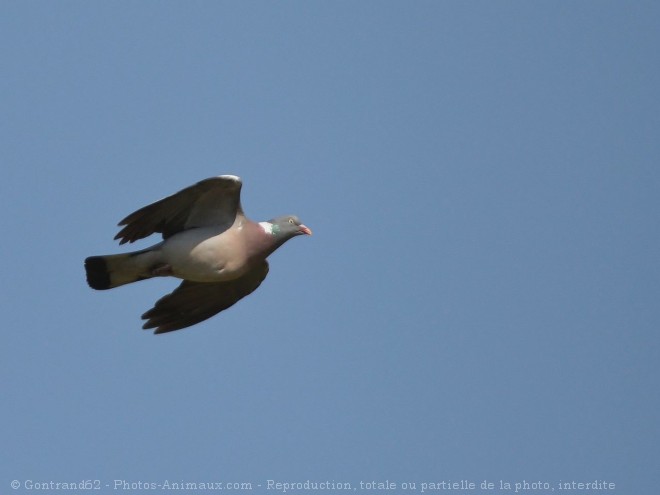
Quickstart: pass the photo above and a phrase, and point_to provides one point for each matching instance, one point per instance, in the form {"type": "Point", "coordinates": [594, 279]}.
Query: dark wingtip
{"type": "Point", "coordinates": [152, 324]}
{"type": "Point", "coordinates": [163, 330]}
{"type": "Point", "coordinates": [97, 273]}
{"type": "Point", "coordinates": [158, 329]}
{"type": "Point", "coordinates": [121, 237]}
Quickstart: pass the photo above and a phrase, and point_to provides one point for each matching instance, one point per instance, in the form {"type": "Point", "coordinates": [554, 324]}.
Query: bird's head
{"type": "Point", "coordinates": [287, 227]}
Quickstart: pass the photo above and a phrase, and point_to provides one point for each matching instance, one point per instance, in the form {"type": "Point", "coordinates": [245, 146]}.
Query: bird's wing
{"type": "Point", "coordinates": [193, 302]}
{"type": "Point", "coordinates": [214, 201]}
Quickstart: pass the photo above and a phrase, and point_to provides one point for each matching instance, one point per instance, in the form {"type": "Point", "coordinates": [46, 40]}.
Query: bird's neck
{"type": "Point", "coordinates": [264, 238]}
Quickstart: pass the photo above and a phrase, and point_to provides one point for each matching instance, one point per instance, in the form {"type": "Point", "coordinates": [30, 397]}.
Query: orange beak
{"type": "Point", "coordinates": [304, 229]}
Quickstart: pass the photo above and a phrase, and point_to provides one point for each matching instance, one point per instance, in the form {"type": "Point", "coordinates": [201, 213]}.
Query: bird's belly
{"type": "Point", "coordinates": [203, 259]}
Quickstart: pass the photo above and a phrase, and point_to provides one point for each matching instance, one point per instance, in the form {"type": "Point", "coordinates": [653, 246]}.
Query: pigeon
{"type": "Point", "coordinates": [207, 241]}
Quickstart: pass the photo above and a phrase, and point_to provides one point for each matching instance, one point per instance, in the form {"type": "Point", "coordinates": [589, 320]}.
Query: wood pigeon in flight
{"type": "Point", "coordinates": [207, 241]}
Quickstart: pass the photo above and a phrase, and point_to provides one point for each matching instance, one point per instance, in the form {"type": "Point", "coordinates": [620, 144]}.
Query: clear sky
{"type": "Point", "coordinates": [479, 301]}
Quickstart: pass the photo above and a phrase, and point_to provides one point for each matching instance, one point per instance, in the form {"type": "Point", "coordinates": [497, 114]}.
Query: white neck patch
{"type": "Point", "coordinates": [267, 226]}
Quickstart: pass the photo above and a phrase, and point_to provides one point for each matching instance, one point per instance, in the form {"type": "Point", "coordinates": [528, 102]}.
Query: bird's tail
{"type": "Point", "coordinates": [107, 272]}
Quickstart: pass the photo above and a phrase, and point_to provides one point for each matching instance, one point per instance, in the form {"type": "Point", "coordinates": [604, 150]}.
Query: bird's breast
{"type": "Point", "coordinates": [202, 255]}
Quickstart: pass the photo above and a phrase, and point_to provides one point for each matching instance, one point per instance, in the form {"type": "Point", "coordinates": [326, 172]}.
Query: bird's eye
{"type": "Point", "coordinates": [291, 221]}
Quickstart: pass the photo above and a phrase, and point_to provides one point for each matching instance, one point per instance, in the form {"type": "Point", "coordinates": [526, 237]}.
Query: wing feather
{"type": "Point", "coordinates": [214, 201]}
{"type": "Point", "coordinates": [193, 302]}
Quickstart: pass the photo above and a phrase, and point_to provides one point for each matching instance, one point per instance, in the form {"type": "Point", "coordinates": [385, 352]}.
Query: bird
{"type": "Point", "coordinates": [208, 242]}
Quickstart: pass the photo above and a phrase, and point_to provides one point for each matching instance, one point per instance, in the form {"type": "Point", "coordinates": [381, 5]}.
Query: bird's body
{"type": "Point", "coordinates": [208, 242]}
{"type": "Point", "coordinates": [200, 255]}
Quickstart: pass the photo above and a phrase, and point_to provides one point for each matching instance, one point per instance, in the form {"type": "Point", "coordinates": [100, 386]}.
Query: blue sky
{"type": "Point", "coordinates": [479, 300]}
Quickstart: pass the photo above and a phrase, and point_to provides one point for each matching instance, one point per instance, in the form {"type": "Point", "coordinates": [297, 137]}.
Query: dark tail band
{"type": "Point", "coordinates": [97, 273]}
